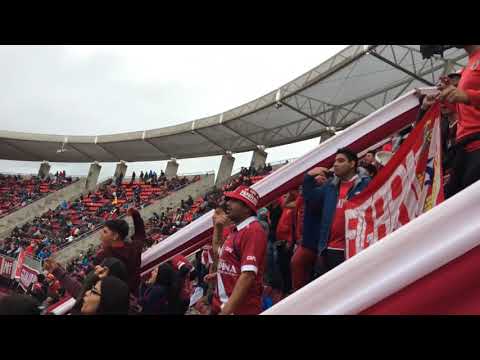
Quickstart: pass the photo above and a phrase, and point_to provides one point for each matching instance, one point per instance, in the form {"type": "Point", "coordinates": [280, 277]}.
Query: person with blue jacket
{"type": "Point", "coordinates": [324, 220]}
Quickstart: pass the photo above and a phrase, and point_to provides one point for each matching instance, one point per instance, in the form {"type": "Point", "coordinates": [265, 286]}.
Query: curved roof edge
{"type": "Point", "coordinates": [338, 92]}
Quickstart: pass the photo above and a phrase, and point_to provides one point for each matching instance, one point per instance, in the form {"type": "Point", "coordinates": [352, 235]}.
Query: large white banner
{"type": "Point", "coordinates": [410, 185]}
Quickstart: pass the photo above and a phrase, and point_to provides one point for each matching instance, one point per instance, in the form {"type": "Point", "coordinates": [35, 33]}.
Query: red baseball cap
{"type": "Point", "coordinates": [246, 195]}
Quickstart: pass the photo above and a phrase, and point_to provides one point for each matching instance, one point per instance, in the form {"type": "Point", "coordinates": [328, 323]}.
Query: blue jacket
{"type": "Point", "coordinates": [320, 207]}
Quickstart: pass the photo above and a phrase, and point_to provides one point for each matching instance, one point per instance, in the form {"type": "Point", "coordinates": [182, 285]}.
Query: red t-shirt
{"type": "Point", "coordinates": [337, 232]}
{"type": "Point", "coordinates": [469, 115]}
{"type": "Point", "coordinates": [285, 223]}
{"type": "Point", "coordinates": [29, 250]}
{"type": "Point", "coordinates": [248, 254]}
{"type": "Point", "coordinates": [300, 211]}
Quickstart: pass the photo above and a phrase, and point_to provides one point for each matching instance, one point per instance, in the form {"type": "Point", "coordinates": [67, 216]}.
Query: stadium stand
{"type": "Point", "coordinates": [57, 228]}
{"type": "Point", "coordinates": [17, 191]}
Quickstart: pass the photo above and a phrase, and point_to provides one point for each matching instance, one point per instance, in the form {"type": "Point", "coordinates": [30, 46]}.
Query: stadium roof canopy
{"type": "Point", "coordinates": [342, 90]}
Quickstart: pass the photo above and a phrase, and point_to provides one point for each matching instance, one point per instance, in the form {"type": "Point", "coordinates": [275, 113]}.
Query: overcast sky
{"type": "Point", "coordinates": [96, 90]}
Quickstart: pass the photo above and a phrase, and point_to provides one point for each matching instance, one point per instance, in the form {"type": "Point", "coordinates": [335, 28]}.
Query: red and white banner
{"type": "Point", "coordinates": [409, 185]}
{"type": "Point", "coordinates": [369, 131]}
{"type": "Point", "coordinates": [7, 266]}
{"type": "Point", "coordinates": [20, 261]}
{"type": "Point", "coordinates": [27, 276]}
{"type": "Point", "coordinates": [428, 266]}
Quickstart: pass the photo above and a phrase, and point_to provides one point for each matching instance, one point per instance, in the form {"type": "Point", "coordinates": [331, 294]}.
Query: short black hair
{"type": "Point", "coordinates": [371, 169]}
{"type": "Point", "coordinates": [371, 152]}
{"type": "Point", "coordinates": [351, 156]}
{"type": "Point", "coordinates": [453, 75]}
{"type": "Point", "coordinates": [118, 226]}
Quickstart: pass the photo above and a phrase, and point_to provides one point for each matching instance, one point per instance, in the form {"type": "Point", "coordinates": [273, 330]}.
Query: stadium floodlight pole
{"type": "Point", "coordinates": [396, 66]}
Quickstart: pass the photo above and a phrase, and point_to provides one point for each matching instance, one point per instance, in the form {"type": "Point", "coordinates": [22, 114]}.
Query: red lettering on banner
{"type": "Point", "coordinates": [382, 231]}
{"type": "Point", "coordinates": [6, 267]}
{"type": "Point", "coordinates": [414, 191]}
{"type": "Point", "coordinates": [352, 248]}
{"type": "Point", "coordinates": [379, 208]}
{"type": "Point", "coordinates": [400, 193]}
{"type": "Point", "coordinates": [352, 224]}
{"type": "Point", "coordinates": [368, 226]}
{"type": "Point", "coordinates": [403, 217]}
{"type": "Point", "coordinates": [396, 187]}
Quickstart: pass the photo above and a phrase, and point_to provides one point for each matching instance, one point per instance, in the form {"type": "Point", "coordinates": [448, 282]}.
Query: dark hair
{"type": "Point", "coordinates": [184, 271]}
{"type": "Point", "coordinates": [170, 279]}
{"type": "Point", "coordinates": [454, 75]}
{"type": "Point", "coordinates": [115, 297]}
{"type": "Point", "coordinates": [40, 278]}
{"type": "Point", "coordinates": [371, 169]}
{"type": "Point", "coordinates": [118, 226]}
{"type": "Point", "coordinates": [116, 268]}
{"type": "Point", "coordinates": [19, 304]}
{"type": "Point", "coordinates": [371, 152]}
{"type": "Point", "coordinates": [351, 156]}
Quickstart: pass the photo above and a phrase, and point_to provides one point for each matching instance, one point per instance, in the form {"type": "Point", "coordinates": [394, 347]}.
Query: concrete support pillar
{"type": "Point", "coordinates": [172, 168]}
{"type": "Point", "coordinates": [259, 158]}
{"type": "Point", "coordinates": [92, 177]}
{"type": "Point", "coordinates": [120, 171]}
{"type": "Point", "coordinates": [44, 170]}
{"type": "Point", "coordinates": [225, 169]}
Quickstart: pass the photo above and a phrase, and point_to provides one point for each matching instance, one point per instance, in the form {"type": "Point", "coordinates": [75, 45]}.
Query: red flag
{"type": "Point", "coordinates": [409, 185]}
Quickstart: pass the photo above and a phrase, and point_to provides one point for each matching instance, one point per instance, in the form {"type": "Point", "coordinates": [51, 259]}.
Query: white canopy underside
{"type": "Point", "coordinates": [337, 93]}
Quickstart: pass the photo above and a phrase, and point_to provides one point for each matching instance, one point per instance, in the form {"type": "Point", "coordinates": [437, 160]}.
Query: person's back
{"type": "Point", "coordinates": [19, 305]}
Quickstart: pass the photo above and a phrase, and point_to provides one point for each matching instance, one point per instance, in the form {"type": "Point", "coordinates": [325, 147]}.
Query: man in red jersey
{"type": "Point", "coordinates": [466, 96]}
{"type": "Point", "coordinates": [241, 255]}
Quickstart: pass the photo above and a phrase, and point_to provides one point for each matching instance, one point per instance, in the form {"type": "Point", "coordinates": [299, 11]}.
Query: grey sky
{"type": "Point", "coordinates": [95, 90]}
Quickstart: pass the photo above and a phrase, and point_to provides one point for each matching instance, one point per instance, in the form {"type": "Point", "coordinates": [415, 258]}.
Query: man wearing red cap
{"type": "Point", "coordinates": [241, 255]}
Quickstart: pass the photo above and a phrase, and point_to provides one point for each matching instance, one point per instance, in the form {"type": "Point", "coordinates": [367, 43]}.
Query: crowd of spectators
{"type": "Point", "coordinates": [283, 246]}
{"type": "Point", "coordinates": [70, 220]}
{"type": "Point", "coordinates": [18, 191]}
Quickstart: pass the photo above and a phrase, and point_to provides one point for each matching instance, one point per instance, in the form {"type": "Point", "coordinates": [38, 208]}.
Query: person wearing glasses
{"type": "Point", "coordinates": [109, 296]}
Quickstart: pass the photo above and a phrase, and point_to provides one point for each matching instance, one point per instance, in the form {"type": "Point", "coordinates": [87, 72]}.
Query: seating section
{"type": "Point", "coordinates": [17, 191]}
{"type": "Point", "coordinates": [75, 219]}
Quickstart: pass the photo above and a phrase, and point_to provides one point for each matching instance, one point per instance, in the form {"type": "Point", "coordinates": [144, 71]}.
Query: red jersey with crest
{"type": "Point", "coordinates": [243, 250]}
